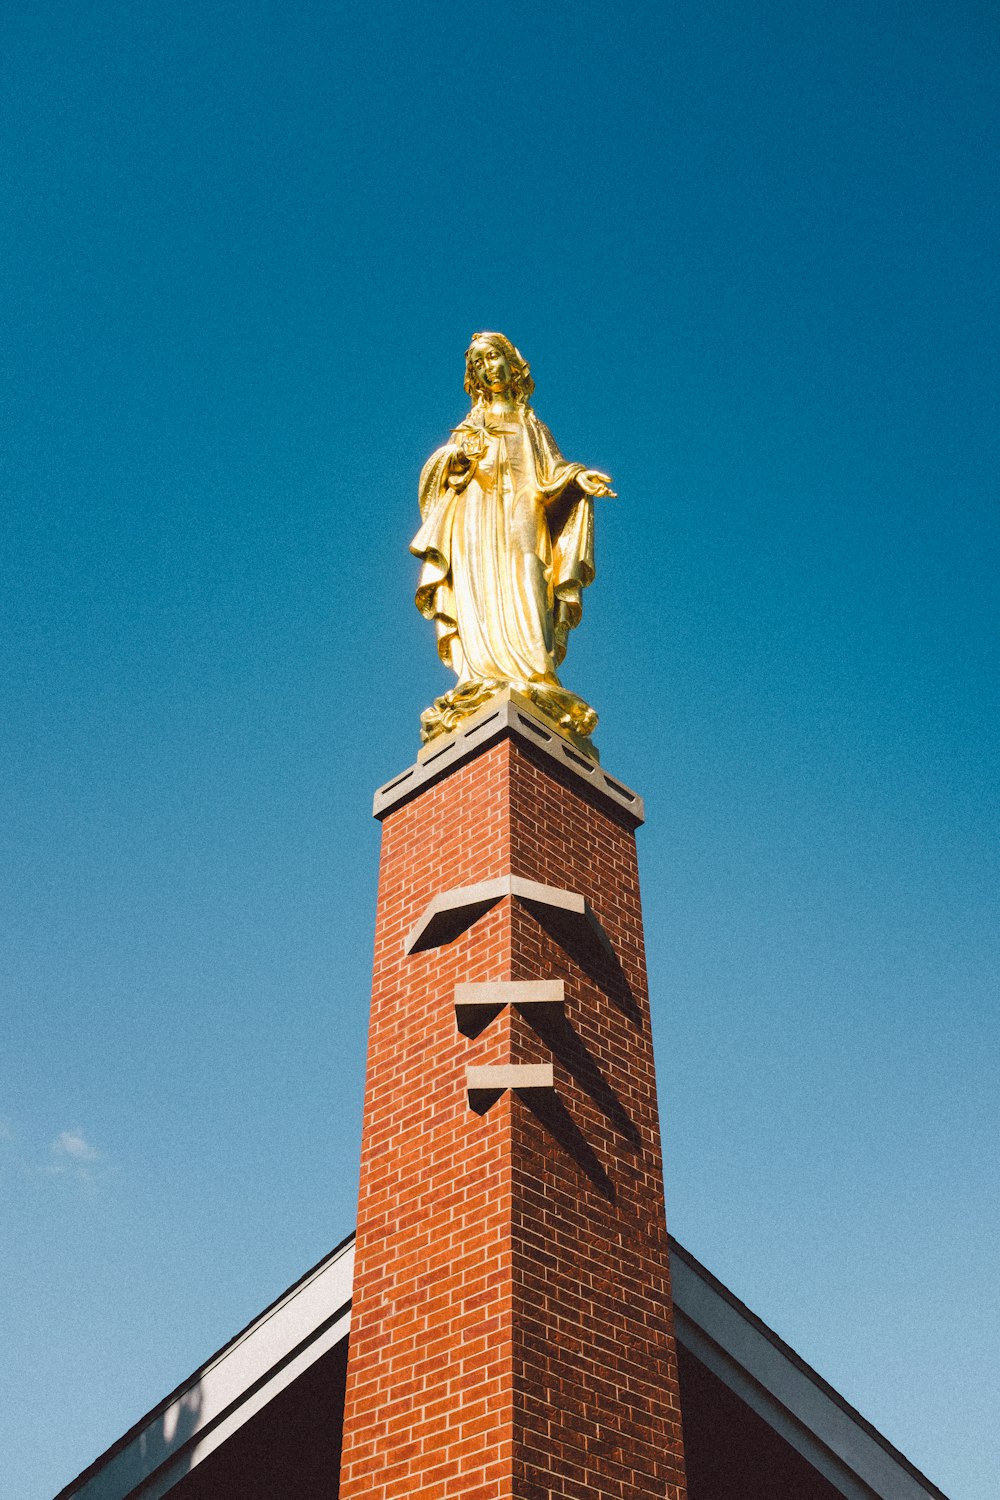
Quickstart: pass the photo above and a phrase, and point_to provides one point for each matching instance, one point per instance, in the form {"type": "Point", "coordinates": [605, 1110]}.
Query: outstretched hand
{"type": "Point", "coordinates": [593, 482]}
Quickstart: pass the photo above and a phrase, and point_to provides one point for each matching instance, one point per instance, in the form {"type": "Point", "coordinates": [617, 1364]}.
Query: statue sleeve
{"type": "Point", "coordinates": [552, 470]}
{"type": "Point", "coordinates": [571, 522]}
{"type": "Point", "coordinates": [432, 543]}
{"type": "Point", "coordinates": [432, 478]}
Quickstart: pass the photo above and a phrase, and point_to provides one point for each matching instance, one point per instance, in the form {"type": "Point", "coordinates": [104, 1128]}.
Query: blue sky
{"type": "Point", "coordinates": [750, 254]}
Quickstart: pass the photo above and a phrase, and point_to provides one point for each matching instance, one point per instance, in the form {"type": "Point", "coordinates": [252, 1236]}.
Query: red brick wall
{"type": "Point", "coordinates": [511, 1333]}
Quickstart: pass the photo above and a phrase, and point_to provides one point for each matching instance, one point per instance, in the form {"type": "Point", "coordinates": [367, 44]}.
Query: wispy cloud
{"type": "Point", "coordinates": [72, 1155]}
{"type": "Point", "coordinates": [74, 1144]}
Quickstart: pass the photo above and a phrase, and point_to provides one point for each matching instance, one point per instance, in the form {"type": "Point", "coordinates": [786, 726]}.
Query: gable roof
{"type": "Point", "coordinates": [229, 1389]}
{"type": "Point", "coordinates": [313, 1317]}
{"type": "Point", "coordinates": [787, 1393]}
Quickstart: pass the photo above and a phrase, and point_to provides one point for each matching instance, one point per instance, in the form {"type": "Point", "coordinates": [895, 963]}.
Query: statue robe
{"type": "Point", "coordinates": [507, 546]}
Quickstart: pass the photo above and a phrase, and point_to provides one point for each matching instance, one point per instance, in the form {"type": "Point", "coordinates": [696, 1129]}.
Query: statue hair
{"type": "Point", "coordinates": [520, 371]}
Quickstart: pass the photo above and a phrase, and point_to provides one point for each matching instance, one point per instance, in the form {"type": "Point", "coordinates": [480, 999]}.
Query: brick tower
{"type": "Point", "coordinates": [511, 1329]}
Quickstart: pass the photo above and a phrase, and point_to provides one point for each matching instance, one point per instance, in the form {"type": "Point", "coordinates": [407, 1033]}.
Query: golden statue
{"type": "Point", "coordinates": [507, 547]}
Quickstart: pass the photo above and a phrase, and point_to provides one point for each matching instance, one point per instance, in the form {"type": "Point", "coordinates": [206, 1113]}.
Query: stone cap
{"type": "Point", "coordinates": [450, 913]}
{"type": "Point", "coordinates": [508, 714]}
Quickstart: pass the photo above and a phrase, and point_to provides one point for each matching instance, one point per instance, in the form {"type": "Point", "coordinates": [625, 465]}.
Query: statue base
{"type": "Point", "coordinates": [569, 715]}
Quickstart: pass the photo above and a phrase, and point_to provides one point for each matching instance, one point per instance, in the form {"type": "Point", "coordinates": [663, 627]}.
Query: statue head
{"type": "Point", "coordinates": [521, 383]}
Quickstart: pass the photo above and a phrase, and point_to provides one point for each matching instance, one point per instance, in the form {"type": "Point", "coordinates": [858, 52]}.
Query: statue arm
{"type": "Point", "coordinates": [587, 481]}
{"type": "Point", "coordinates": [555, 475]}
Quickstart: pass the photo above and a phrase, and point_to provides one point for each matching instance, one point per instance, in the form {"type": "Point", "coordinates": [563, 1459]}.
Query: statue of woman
{"type": "Point", "coordinates": [507, 547]}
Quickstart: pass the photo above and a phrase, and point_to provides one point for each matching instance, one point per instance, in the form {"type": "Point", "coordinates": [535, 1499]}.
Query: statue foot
{"type": "Point", "coordinates": [570, 715]}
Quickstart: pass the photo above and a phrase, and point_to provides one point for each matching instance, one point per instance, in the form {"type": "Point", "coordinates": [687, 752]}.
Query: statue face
{"type": "Point", "coordinates": [491, 368]}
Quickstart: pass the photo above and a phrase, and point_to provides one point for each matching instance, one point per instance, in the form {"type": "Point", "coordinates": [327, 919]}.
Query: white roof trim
{"type": "Point", "coordinates": [780, 1387]}
{"type": "Point", "coordinates": [274, 1350]}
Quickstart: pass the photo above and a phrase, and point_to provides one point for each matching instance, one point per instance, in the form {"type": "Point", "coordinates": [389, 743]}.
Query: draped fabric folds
{"type": "Point", "coordinates": [507, 547]}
